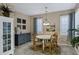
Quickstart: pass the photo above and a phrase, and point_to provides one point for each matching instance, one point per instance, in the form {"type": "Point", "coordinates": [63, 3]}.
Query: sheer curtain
{"type": "Point", "coordinates": [39, 25]}
{"type": "Point", "coordinates": [64, 24]}
{"type": "Point", "coordinates": [77, 22]}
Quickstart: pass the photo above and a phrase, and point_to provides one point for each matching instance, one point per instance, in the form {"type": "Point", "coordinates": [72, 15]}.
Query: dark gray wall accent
{"type": "Point", "coordinates": [22, 38]}
{"type": "Point", "coordinates": [72, 25]}
{"type": "Point", "coordinates": [35, 26]}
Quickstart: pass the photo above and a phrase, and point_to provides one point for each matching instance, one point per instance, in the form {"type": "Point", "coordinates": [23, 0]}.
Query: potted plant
{"type": "Point", "coordinates": [75, 41]}
{"type": "Point", "coordinates": [75, 44]}
{"type": "Point", "coordinates": [5, 10]}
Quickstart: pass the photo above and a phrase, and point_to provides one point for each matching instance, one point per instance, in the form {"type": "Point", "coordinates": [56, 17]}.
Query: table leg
{"type": "Point", "coordinates": [43, 45]}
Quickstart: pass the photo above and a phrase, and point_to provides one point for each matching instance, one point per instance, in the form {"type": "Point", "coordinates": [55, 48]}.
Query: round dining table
{"type": "Point", "coordinates": [43, 38]}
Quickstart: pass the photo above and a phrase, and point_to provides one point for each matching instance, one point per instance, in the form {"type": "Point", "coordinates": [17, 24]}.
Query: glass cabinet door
{"type": "Point", "coordinates": [6, 36]}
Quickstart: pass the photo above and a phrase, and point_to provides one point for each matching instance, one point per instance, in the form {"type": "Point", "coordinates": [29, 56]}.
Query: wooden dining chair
{"type": "Point", "coordinates": [52, 43]}
{"type": "Point", "coordinates": [33, 41]}
{"type": "Point", "coordinates": [36, 42]}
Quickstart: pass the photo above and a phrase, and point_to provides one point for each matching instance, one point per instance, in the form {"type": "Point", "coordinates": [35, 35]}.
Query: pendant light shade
{"type": "Point", "coordinates": [46, 23]}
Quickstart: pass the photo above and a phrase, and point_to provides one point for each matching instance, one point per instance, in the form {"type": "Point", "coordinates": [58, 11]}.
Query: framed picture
{"type": "Point", "coordinates": [23, 27]}
{"type": "Point", "coordinates": [23, 21]}
{"type": "Point", "coordinates": [19, 26]}
{"type": "Point", "coordinates": [18, 20]}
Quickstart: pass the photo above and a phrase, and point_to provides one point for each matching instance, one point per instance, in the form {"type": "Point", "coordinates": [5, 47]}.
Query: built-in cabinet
{"type": "Point", "coordinates": [6, 36]}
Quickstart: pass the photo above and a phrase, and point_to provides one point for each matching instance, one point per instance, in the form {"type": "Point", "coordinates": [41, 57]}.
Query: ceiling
{"type": "Point", "coordinates": [39, 8]}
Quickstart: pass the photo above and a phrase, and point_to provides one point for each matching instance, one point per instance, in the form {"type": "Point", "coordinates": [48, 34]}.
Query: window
{"type": "Point", "coordinates": [64, 24]}
{"type": "Point", "coordinates": [39, 26]}
{"type": "Point", "coordinates": [77, 22]}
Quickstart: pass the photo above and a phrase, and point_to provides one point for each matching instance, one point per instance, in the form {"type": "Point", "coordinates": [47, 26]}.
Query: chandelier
{"type": "Point", "coordinates": [46, 22]}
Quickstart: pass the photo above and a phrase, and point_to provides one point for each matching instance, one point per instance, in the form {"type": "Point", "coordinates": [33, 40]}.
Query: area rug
{"type": "Point", "coordinates": [46, 52]}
